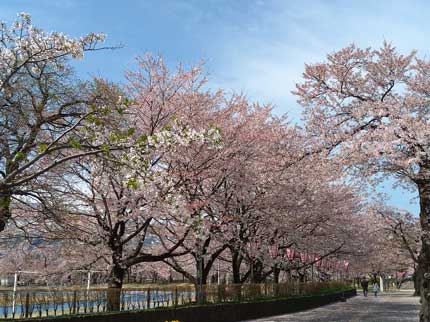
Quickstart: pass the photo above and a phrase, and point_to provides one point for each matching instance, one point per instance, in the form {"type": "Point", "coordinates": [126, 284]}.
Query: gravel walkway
{"type": "Point", "coordinates": [388, 307]}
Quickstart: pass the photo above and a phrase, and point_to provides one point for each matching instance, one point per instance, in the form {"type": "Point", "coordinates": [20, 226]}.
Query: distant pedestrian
{"type": "Point", "coordinates": [375, 289]}
{"type": "Point", "coordinates": [365, 286]}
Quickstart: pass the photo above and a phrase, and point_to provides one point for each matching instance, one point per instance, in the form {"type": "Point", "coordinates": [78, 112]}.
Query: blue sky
{"type": "Point", "coordinates": [255, 46]}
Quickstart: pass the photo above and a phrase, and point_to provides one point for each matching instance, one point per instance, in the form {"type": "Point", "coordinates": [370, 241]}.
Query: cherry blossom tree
{"type": "Point", "coordinates": [126, 212]}
{"type": "Point", "coordinates": [128, 203]}
{"type": "Point", "coordinates": [249, 132]}
{"type": "Point", "coordinates": [42, 107]}
{"type": "Point", "coordinates": [403, 235]}
{"type": "Point", "coordinates": [367, 108]}
{"type": "Point", "coordinates": [304, 218]}
{"type": "Point", "coordinates": [204, 172]}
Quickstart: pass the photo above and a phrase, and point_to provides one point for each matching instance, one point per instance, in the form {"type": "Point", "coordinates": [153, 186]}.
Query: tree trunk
{"type": "Point", "coordinates": [256, 274]}
{"type": "Point", "coordinates": [200, 292]}
{"type": "Point", "coordinates": [236, 262]}
{"type": "Point", "coordinates": [116, 278]}
{"type": "Point", "coordinates": [201, 281]}
{"type": "Point", "coordinates": [424, 258]}
{"type": "Point", "coordinates": [302, 276]}
{"type": "Point", "coordinates": [276, 272]}
{"type": "Point", "coordinates": [5, 214]}
{"type": "Point", "coordinates": [289, 275]}
{"type": "Point", "coordinates": [417, 278]}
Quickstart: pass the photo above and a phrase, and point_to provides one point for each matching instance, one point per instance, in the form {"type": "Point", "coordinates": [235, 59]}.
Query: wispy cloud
{"type": "Point", "coordinates": [265, 56]}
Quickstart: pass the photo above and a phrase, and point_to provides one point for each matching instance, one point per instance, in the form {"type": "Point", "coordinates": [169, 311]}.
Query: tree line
{"type": "Point", "coordinates": [163, 171]}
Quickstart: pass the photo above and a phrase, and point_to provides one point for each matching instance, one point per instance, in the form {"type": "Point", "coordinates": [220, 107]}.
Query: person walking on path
{"type": "Point", "coordinates": [375, 289]}
{"type": "Point", "coordinates": [365, 286]}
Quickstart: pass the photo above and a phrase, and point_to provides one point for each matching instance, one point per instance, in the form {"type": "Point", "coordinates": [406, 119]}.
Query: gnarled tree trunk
{"type": "Point", "coordinates": [424, 258]}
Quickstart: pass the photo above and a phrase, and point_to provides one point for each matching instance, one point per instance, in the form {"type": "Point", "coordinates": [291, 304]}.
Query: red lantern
{"type": "Point", "coordinates": [290, 253]}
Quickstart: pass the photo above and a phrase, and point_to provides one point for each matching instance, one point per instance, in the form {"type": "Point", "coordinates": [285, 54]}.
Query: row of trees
{"type": "Point", "coordinates": [163, 171]}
